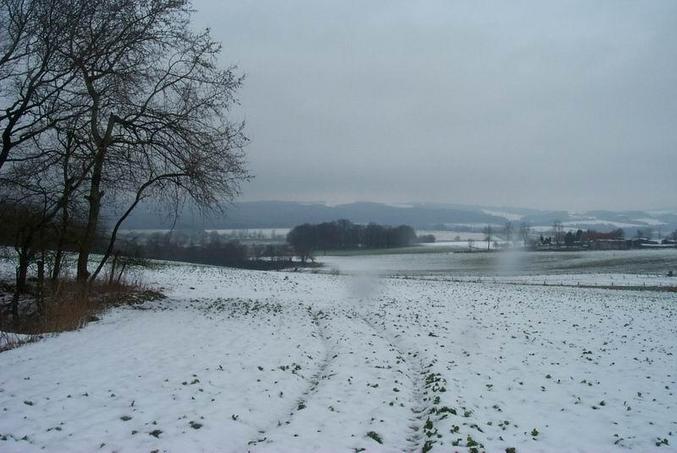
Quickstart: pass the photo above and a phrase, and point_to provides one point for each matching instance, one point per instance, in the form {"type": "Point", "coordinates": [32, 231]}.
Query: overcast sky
{"type": "Point", "coordinates": [557, 104]}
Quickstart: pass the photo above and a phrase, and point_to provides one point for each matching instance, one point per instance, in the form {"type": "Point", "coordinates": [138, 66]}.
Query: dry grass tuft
{"type": "Point", "coordinates": [66, 305]}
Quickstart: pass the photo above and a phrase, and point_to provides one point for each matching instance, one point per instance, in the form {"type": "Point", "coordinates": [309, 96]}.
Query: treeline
{"type": "Point", "coordinates": [105, 104]}
{"type": "Point", "coordinates": [48, 245]}
{"type": "Point", "coordinates": [579, 237]}
{"type": "Point", "coordinates": [206, 248]}
{"type": "Point", "coordinates": [595, 240]}
{"type": "Point", "coordinates": [343, 235]}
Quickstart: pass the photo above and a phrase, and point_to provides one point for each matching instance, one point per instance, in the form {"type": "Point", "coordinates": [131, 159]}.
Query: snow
{"type": "Point", "coordinates": [587, 222]}
{"type": "Point", "coordinates": [633, 281]}
{"type": "Point", "coordinates": [9, 340]}
{"type": "Point", "coordinates": [447, 245]}
{"type": "Point", "coordinates": [239, 360]}
{"type": "Point", "coordinates": [642, 263]}
{"type": "Point", "coordinates": [506, 215]}
{"type": "Point", "coordinates": [263, 232]}
{"type": "Point", "coordinates": [447, 236]}
{"type": "Point", "coordinates": [650, 221]}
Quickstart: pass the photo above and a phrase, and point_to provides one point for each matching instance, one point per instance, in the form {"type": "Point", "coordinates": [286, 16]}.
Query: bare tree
{"type": "Point", "coordinates": [524, 232]}
{"type": "Point", "coordinates": [507, 231]}
{"type": "Point", "coordinates": [644, 233]}
{"type": "Point", "coordinates": [157, 104]}
{"type": "Point", "coordinates": [488, 233]}
{"type": "Point", "coordinates": [74, 169]}
{"type": "Point", "coordinates": [115, 100]}
{"type": "Point", "coordinates": [558, 232]}
{"type": "Point", "coordinates": [34, 193]}
{"type": "Point", "coordinates": [33, 73]}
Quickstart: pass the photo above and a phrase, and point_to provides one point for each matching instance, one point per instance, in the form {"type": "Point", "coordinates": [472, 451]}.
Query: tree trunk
{"type": "Point", "coordinates": [41, 283]}
{"type": "Point", "coordinates": [15, 307]}
{"type": "Point", "coordinates": [122, 271]}
{"type": "Point", "coordinates": [95, 193]}
{"type": "Point", "coordinates": [65, 220]}
{"type": "Point", "coordinates": [121, 220]}
{"type": "Point", "coordinates": [58, 259]}
{"type": "Point", "coordinates": [114, 233]}
{"type": "Point", "coordinates": [94, 200]}
{"type": "Point", "coordinates": [22, 271]}
{"type": "Point", "coordinates": [113, 267]}
{"type": "Point", "coordinates": [21, 278]}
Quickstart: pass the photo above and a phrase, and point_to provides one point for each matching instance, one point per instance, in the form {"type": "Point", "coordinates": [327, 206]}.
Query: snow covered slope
{"type": "Point", "coordinates": [239, 360]}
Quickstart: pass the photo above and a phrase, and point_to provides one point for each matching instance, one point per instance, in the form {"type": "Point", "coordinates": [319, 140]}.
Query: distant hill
{"type": "Point", "coordinates": [282, 214]}
{"type": "Point", "coordinates": [285, 214]}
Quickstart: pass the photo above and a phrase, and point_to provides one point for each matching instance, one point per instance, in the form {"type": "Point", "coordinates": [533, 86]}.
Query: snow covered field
{"type": "Point", "coordinates": [650, 263]}
{"type": "Point", "coordinates": [239, 360]}
{"type": "Point", "coordinates": [633, 281]}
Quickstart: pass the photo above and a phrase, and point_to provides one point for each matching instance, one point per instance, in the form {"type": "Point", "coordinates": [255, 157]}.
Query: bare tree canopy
{"type": "Point", "coordinates": [157, 105]}
{"type": "Point", "coordinates": [34, 74]}
{"type": "Point", "coordinates": [113, 101]}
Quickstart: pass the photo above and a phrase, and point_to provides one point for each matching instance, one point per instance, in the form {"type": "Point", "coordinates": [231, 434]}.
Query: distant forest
{"type": "Point", "coordinates": [344, 235]}
{"type": "Point", "coordinates": [205, 248]}
{"type": "Point", "coordinates": [302, 241]}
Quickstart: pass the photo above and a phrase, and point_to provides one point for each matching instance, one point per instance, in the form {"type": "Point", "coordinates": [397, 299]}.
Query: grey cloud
{"type": "Point", "coordinates": [567, 104]}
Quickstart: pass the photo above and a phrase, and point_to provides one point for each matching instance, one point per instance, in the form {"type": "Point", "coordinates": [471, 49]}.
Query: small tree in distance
{"type": "Point", "coordinates": [304, 241]}
{"type": "Point", "coordinates": [507, 230]}
{"type": "Point", "coordinates": [524, 232]}
{"type": "Point", "coordinates": [487, 235]}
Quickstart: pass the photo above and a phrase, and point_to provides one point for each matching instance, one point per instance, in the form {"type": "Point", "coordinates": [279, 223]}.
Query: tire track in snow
{"type": "Point", "coordinates": [412, 358]}
{"type": "Point", "coordinates": [315, 379]}
{"type": "Point", "coordinates": [321, 373]}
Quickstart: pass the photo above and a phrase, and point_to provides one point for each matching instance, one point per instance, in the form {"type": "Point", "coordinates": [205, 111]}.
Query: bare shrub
{"type": "Point", "coordinates": [66, 307]}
